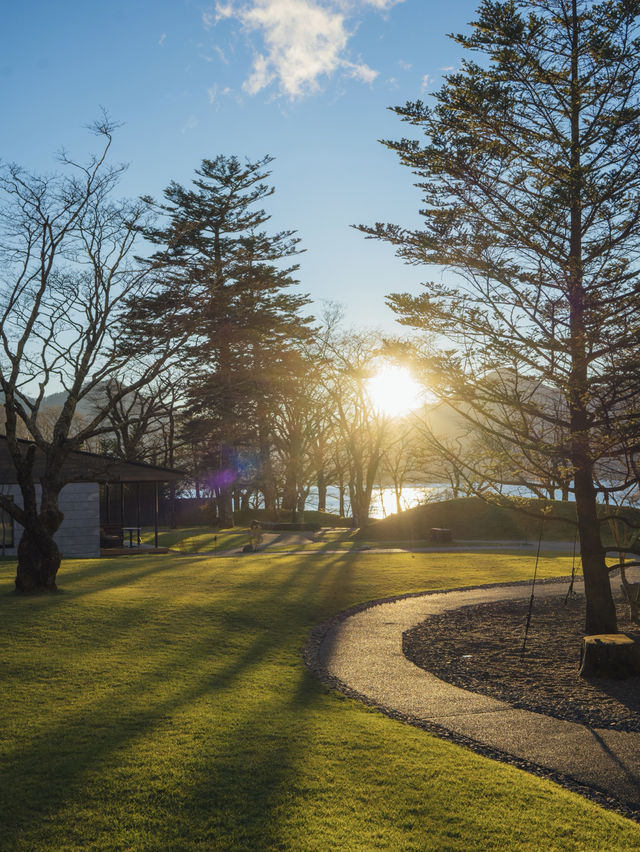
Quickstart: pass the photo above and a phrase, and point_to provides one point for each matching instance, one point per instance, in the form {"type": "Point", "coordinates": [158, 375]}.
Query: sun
{"type": "Point", "coordinates": [393, 391]}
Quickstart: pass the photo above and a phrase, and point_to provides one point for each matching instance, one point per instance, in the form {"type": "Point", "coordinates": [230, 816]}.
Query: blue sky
{"type": "Point", "coordinates": [307, 81]}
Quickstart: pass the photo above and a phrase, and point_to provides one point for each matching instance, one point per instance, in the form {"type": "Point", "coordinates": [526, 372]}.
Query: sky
{"type": "Point", "coordinates": [308, 82]}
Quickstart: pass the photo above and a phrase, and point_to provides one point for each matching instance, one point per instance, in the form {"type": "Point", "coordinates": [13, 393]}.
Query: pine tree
{"type": "Point", "coordinates": [530, 174]}
{"type": "Point", "coordinates": [225, 272]}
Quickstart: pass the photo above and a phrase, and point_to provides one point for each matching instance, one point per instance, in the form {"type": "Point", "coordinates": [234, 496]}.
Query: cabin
{"type": "Point", "coordinates": [105, 501]}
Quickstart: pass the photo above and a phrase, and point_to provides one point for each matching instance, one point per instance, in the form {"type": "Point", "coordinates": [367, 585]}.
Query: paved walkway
{"type": "Point", "coordinates": [364, 653]}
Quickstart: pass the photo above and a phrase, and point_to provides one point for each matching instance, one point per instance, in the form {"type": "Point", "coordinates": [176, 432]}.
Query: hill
{"type": "Point", "coordinates": [471, 518]}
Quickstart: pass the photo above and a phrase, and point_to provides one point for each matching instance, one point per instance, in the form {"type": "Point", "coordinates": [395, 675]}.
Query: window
{"type": "Point", "coordinates": [6, 529]}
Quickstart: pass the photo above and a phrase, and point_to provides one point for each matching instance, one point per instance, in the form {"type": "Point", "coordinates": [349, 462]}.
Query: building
{"type": "Point", "coordinates": [105, 498]}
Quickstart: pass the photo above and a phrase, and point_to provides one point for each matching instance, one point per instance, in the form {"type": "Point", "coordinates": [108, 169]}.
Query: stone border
{"type": "Point", "coordinates": [310, 653]}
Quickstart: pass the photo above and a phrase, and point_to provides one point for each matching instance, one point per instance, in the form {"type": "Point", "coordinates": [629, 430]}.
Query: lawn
{"type": "Point", "coordinates": [197, 539]}
{"type": "Point", "coordinates": [160, 703]}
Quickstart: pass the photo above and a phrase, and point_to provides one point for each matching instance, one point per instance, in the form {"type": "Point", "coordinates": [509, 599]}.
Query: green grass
{"type": "Point", "coordinates": [197, 539]}
{"type": "Point", "coordinates": [160, 703]}
{"type": "Point", "coordinates": [310, 516]}
{"type": "Point", "coordinates": [203, 540]}
{"type": "Point", "coordinates": [470, 518]}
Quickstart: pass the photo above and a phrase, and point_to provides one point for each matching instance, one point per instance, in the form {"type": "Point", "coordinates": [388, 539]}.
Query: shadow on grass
{"type": "Point", "coordinates": [235, 654]}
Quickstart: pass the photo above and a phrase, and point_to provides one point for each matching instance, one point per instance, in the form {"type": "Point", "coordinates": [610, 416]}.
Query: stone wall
{"type": "Point", "coordinates": [79, 534]}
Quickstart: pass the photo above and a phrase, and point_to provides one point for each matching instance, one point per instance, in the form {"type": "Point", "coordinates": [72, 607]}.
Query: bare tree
{"type": "Point", "coordinates": [348, 362]}
{"type": "Point", "coordinates": [400, 456]}
{"type": "Point", "coordinates": [68, 279]}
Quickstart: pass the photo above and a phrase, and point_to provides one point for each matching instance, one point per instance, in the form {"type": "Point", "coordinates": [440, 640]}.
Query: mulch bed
{"type": "Point", "coordinates": [479, 648]}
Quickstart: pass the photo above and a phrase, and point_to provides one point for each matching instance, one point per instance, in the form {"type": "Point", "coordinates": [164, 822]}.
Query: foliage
{"type": "Point", "coordinates": [232, 294]}
{"type": "Point", "coordinates": [530, 174]}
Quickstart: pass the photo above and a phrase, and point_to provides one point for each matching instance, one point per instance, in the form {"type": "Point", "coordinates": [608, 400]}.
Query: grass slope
{"type": "Point", "coordinates": [471, 518]}
{"type": "Point", "coordinates": [160, 703]}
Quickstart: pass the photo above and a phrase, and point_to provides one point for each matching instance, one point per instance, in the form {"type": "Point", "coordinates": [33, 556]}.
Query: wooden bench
{"type": "Point", "coordinates": [441, 535]}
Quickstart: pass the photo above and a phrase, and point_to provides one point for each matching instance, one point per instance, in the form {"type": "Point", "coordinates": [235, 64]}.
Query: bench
{"type": "Point", "coordinates": [110, 535]}
{"type": "Point", "coordinates": [441, 535]}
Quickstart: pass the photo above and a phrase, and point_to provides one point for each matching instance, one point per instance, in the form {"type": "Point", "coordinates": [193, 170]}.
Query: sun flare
{"type": "Point", "coordinates": [393, 391]}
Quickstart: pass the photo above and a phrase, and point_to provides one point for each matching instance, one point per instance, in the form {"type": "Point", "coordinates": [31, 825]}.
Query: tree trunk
{"type": "Point", "coordinates": [225, 488]}
{"type": "Point", "coordinates": [38, 561]}
{"type": "Point", "coordinates": [601, 611]}
{"type": "Point", "coordinates": [301, 503]}
{"type": "Point", "coordinates": [172, 506]}
{"type": "Point", "coordinates": [360, 503]}
{"type": "Point", "coordinates": [171, 460]}
{"type": "Point", "coordinates": [225, 508]}
{"type": "Point", "coordinates": [290, 490]}
{"type": "Point", "coordinates": [609, 655]}
{"type": "Point", "coordinates": [268, 486]}
{"type": "Point", "coordinates": [322, 491]}
{"type": "Point", "coordinates": [341, 499]}
{"type": "Point", "coordinates": [38, 554]}
{"type": "Point", "coordinates": [269, 495]}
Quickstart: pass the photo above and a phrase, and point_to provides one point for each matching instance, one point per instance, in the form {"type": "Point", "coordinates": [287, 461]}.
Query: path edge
{"type": "Point", "coordinates": [310, 653]}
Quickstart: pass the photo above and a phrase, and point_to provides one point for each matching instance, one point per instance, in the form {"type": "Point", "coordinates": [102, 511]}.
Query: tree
{"type": "Point", "coordinates": [67, 275]}
{"type": "Point", "coordinates": [530, 174]}
{"type": "Point", "coordinates": [232, 295]}
{"type": "Point", "coordinates": [299, 431]}
{"type": "Point", "coordinates": [400, 456]}
{"type": "Point", "coordinates": [137, 420]}
{"type": "Point", "coordinates": [349, 360]}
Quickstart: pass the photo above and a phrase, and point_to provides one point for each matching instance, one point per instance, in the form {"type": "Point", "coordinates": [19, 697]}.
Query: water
{"type": "Point", "coordinates": [383, 499]}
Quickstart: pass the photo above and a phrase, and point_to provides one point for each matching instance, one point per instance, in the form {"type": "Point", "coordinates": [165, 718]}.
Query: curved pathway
{"type": "Point", "coordinates": [362, 655]}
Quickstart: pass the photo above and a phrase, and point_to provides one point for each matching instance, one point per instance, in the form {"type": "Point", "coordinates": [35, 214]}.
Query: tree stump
{"type": "Point", "coordinates": [614, 655]}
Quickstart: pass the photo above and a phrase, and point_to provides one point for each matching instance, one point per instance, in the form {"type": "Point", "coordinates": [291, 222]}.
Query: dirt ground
{"type": "Point", "coordinates": [480, 648]}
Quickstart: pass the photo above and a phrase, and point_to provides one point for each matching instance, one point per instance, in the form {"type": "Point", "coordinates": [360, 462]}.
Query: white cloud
{"type": "Point", "coordinates": [223, 10]}
{"type": "Point", "coordinates": [261, 76]}
{"type": "Point", "coordinates": [427, 80]}
{"type": "Point", "coordinates": [221, 54]}
{"type": "Point", "coordinates": [162, 39]}
{"type": "Point", "coordinates": [382, 5]}
{"type": "Point", "coordinates": [215, 94]}
{"type": "Point", "coordinates": [360, 72]}
{"type": "Point", "coordinates": [190, 124]}
{"type": "Point", "coordinates": [301, 40]}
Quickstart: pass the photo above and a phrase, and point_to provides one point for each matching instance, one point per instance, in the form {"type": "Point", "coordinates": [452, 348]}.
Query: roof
{"type": "Point", "coordinates": [89, 467]}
